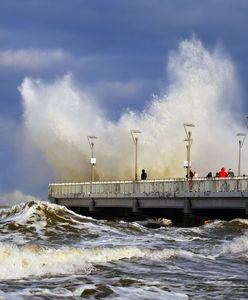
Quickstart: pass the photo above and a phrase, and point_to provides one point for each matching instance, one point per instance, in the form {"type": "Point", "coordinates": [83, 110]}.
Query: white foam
{"type": "Point", "coordinates": [146, 292]}
{"type": "Point", "coordinates": [239, 221]}
{"type": "Point", "coordinates": [32, 293]}
{"type": "Point", "coordinates": [34, 214]}
{"type": "Point", "coordinates": [33, 260]}
{"type": "Point", "coordinates": [238, 247]}
{"type": "Point", "coordinates": [21, 262]}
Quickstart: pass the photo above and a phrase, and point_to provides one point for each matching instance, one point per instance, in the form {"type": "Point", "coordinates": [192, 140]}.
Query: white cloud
{"type": "Point", "coordinates": [31, 58]}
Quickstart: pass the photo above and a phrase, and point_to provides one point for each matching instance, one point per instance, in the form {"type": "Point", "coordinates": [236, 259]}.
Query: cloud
{"type": "Point", "coordinates": [31, 58]}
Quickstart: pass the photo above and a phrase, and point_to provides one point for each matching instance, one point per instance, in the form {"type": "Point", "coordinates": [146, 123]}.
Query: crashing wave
{"type": "Point", "coordinates": [33, 260]}
{"type": "Point", "coordinates": [35, 212]}
{"type": "Point", "coordinates": [240, 222]}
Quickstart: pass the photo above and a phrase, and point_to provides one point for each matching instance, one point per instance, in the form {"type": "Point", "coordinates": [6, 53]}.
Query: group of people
{"type": "Point", "coordinates": [222, 173]}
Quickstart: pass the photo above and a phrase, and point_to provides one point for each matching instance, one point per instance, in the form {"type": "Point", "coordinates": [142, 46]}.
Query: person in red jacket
{"type": "Point", "coordinates": [223, 172]}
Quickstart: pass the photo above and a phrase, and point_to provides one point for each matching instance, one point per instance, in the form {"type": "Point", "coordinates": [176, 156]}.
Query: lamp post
{"type": "Point", "coordinates": [188, 146]}
{"type": "Point", "coordinates": [92, 159]}
{"type": "Point", "coordinates": [242, 137]}
{"type": "Point", "coordinates": [134, 134]}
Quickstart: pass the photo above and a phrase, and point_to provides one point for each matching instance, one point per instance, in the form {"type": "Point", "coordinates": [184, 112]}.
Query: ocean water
{"type": "Point", "coordinates": [49, 252]}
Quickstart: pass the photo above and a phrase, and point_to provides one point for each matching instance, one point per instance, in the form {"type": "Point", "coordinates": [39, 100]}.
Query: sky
{"type": "Point", "coordinates": [69, 69]}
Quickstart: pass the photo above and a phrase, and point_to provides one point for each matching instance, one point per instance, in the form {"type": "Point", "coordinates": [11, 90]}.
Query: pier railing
{"type": "Point", "coordinates": [148, 187]}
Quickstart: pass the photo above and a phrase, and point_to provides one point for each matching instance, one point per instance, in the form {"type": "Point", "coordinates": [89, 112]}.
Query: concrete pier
{"type": "Point", "coordinates": [223, 198]}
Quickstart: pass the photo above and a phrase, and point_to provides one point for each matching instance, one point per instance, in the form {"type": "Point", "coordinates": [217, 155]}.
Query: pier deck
{"type": "Point", "coordinates": [214, 197]}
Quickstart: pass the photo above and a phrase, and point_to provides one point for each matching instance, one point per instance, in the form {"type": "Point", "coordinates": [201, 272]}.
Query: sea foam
{"type": "Point", "coordinates": [33, 260]}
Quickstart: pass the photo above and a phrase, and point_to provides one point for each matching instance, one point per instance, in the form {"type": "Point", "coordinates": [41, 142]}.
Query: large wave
{"type": "Point", "coordinates": [43, 222]}
{"type": "Point", "coordinates": [202, 89]}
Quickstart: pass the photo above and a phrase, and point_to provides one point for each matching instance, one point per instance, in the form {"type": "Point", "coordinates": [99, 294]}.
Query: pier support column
{"type": "Point", "coordinates": [246, 207]}
{"type": "Point", "coordinates": [187, 206]}
{"type": "Point", "coordinates": [188, 218]}
{"type": "Point", "coordinates": [135, 208]}
{"type": "Point", "coordinates": [92, 207]}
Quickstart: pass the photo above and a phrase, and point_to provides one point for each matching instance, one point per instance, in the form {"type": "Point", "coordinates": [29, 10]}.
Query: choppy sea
{"type": "Point", "coordinates": [49, 252]}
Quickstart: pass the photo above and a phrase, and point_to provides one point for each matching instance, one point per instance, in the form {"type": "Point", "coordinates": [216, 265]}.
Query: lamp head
{"type": "Point", "coordinates": [91, 137]}
{"type": "Point", "coordinates": [135, 131]}
{"type": "Point", "coordinates": [188, 125]}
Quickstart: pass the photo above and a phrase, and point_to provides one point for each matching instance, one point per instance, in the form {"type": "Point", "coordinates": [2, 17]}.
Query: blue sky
{"type": "Point", "coordinates": [116, 50]}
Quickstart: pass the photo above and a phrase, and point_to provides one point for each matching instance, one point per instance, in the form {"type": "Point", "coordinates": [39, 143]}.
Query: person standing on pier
{"type": "Point", "coordinates": [223, 172]}
{"type": "Point", "coordinates": [230, 173]}
{"type": "Point", "coordinates": [191, 175]}
{"type": "Point", "coordinates": [209, 175]}
{"type": "Point", "coordinates": [143, 175]}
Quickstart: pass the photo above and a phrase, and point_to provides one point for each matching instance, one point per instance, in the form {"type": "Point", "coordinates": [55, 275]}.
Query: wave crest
{"type": "Point", "coordinates": [32, 260]}
{"type": "Point", "coordinates": [43, 221]}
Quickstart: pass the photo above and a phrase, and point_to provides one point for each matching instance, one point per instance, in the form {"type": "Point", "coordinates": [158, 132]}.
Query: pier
{"type": "Point", "coordinates": [178, 199]}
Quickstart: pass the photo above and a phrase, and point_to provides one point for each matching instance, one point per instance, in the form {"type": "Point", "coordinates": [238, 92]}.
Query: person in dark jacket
{"type": "Point", "coordinates": [209, 175]}
{"type": "Point", "coordinates": [143, 175]}
{"type": "Point", "coordinates": [191, 175]}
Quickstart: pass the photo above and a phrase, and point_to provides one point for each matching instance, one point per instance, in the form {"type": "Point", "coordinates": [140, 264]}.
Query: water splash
{"type": "Point", "coordinates": [203, 89]}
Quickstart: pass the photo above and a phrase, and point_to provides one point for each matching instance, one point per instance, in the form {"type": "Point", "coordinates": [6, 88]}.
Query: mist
{"type": "Point", "coordinates": [202, 88]}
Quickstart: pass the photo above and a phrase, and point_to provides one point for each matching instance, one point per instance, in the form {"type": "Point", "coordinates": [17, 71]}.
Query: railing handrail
{"type": "Point", "coordinates": [149, 180]}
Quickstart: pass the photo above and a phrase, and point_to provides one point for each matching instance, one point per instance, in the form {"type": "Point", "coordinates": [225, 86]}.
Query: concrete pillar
{"type": "Point", "coordinates": [246, 207]}
{"type": "Point", "coordinates": [135, 208]}
{"type": "Point", "coordinates": [187, 206]}
{"type": "Point", "coordinates": [92, 207]}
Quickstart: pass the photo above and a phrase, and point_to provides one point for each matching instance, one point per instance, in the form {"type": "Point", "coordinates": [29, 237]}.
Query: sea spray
{"type": "Point", "coordinates": [203, 89]}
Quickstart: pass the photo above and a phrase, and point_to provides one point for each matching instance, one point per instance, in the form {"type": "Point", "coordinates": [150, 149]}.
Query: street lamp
{"type": "Point", "coordinates": [188, 146]}
{"type": "Point", "coordinates": [134, 134]}
{"type": "Point", "coordinates": [241, 143]}
{"type": "Point", "coordinates": [92, 159]}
